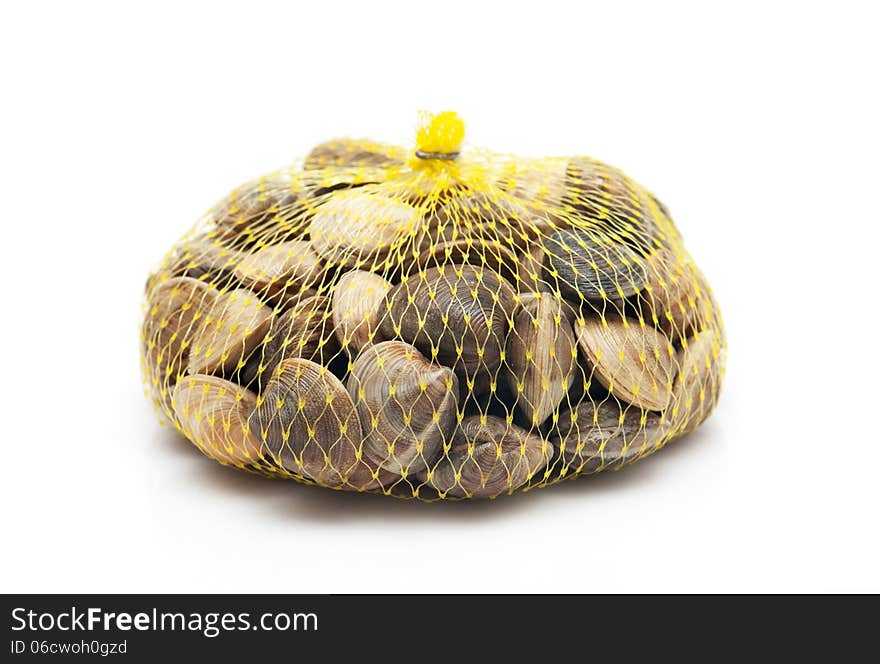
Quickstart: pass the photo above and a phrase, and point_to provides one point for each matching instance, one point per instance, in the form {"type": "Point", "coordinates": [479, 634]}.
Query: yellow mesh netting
{"type": "Point", "coordinates": [433, 323]}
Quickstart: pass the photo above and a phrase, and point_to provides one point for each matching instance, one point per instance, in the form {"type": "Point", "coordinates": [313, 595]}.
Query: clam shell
{"type": "Point", "coordinates": [457, 315]}
{"type": "Point", "coordinates": [289, 298]}
{"type": "Point", "coordinates": [492, 217]}
{"type": "Point", "coordinates": [247, 212]}
{"type": "Point", "coordinates": [488, 457]}
{"type": "Point", "coordinates": [175, 311]}
{"type": "Point", "coordinates": [357, 229]}
{"type": "Point", "coordinates": [356, 301]}
{"type": "Point", "coordinates": [607, 198]}
{"type": "Point", "coordinates": [314, 185]}
{"type": "Point", "coordinates": [674, 300]}
{"type": "Point", "coordinates": [202, 255]}
{"type": "Point", "coordinates": [307, 422]}
{"type": "Point", "coordinates": [521, 269]}
{"type": "Point", "coordinates": [595, 436]}
{"type": "Point", "coordinates": [304, 331]}
{"type": "Point", "coordinates": [542, 183]}
{"type": "Point", "coordinates": [354, 152]}
{"type": "Point", "coordinates": [528, 273]}
{"type": "Point", "coordinates": [587, 266]}
{"type": "Point", "coordinates": [407, 406]}
{"type": "Point", "coordinates": [233, 326]}
{"type": "Point", "coordinates": [541, 357]}
{"type": "Point", "coordinates": [636, 363]}
{"type": "Point", "coordinates": [281, 268]}
{"type": "Point", "coordinates": [471, 252]}
{"type": "Point", "coordinates": [528, 299]}
{"type": "Point", "coordinates": [213, 414]}
{"type": "Point", "coordinates": [698, 384]}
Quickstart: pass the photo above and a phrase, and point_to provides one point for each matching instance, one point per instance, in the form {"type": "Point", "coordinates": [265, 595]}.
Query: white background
{"type": "Point", "coordinates": [758, 126]}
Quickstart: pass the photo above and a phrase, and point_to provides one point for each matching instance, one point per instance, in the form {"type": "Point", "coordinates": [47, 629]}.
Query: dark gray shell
{"type": "Point", "coordinates": [584, 267]}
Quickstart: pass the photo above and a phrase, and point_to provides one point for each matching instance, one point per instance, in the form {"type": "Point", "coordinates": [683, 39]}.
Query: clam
{"type": "Point", "coordinates": [232, 327]}
{"type": "Point", "coordinates": [407, 406]}
{"type": "Point", "coordinates": [536, 181]}
{"type": "Point", "coordinates": [304, 331]}
{"type": "Point", "coordinates": [589, 266]}
{"type": "Point", "coordinates": [281, 268]}
{"type": "Point", "coordinates": [457, 315]}
{"type": "Point", "coordinates": [468, 251]}
{"type": "Point", "coordinates": [356, 301]}
{"type": "Point", "coordinates": [488, 457]}
{"type": "Point", "coordinates": [597, 435]}
{"type": "Point", "coordinates": [353, 152]}
{"type": "Point", "coordinates": [213, 413]}
{"type": "Point", "coordinates": [289, 298]}
{"type": "Point", "coordinates": [697, 386]}
{"type": "Point", "coordinates": [528, 273]}
{"type": "Point", "coordinates": [606, 197]}
{"type": "Point", "coordinates": [175, 311]}
{"type": "Point", "coordinates": [202, 255]}
{"type": "Point", "coordinates": [308, 423]}
{"type": "Point", "coordinates": [491, 218]}
{"type": "Point", "coordinates": [634, 361]}
{"type": "Point", "coordinates": [314, 185]}
{"type": "Point", "coordinates": [478, 252]}
{"type": "Point", "coordinates": [541, 356]}
{"type": "Point", "coordinates": [673, 299]}
{"type": "Point", "coordinates": [248, 212]}
{"type": "Point", "coordinates": [357, 229]}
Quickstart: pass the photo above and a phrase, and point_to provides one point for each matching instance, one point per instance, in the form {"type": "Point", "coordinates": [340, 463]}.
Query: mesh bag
{"type": "Point", "coordinates": [432, 323]}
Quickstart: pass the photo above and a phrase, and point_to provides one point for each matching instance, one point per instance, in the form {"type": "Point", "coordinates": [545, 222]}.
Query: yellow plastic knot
{"type": "Point", "coordinates": [439, 136]}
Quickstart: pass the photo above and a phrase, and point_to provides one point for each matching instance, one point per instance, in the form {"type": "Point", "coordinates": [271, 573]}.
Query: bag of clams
{"type": "Point", "coordinates": [432, 323]}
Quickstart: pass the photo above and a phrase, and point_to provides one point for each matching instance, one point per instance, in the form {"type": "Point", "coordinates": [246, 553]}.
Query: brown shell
{"type": "Point", "coordinates": [304, 331]}
{"type": "Point", "coordinates": [356, 303]}
{"type": "Point", "coordinates": [354, 152]}
{"type": "Point", "coordinates": [213, 413]}
{"type": "Point", "coordinates": [407, 406]}
{"type": "Point", "coordinates": [175, 311]}
{"type": "Point", "coordinates": [495, 257]}
{"type": "Point", "coordinates": [521, 267]}
{"type": "Point", "coordinates": [203, 255]}
{"type": "Point", "coordinates": [290, 298]}
{"type": "Point", "coordinates": [488, 457]}
{"type": "Point", "coordinates": [357, 229]}
{"type": "Point", "coordinates": [232, 327]}
{"type": "Point", "coordinates": [608, 199]}
{"type": "Point", "coordinates": [635, 362]}
{"type": "Point", "coordinates": [457, 315]}
{"type": "Point", "coordinates": [541, 357]}
{"type": "Point", "coordinates": [697, 387]}
{"type": "Point", "coordinates": [248, 211]}
{"type": "Point", "coordinates": [493, 218]}
{"type": "Point", "coordinates": [676, 298]}
{"type": "Point", "coordinates": [529, 269]}
{"type": "Point", "coordinates": [595, 436]}
{"type": "Point", "coordinates": [281, 268]}
{"type": "Point", "coordinates": [308, 424]}
{"type": "Point", "coordinates": [314, 185]}
{"type": "Point", "coordinates": [542, 183]}
{"type": "Point", "coordinates": [527, 299]}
